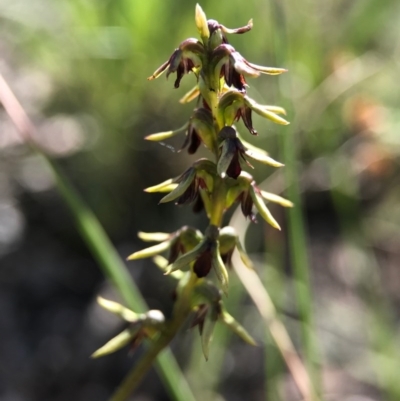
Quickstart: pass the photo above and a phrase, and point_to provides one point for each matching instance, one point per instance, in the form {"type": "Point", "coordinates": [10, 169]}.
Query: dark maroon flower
{"type": "Point", "coordinates": [233, 67]}
{"type": "Point", "coordinates": [245, 113]}
{"type": "Point", "coordinates": [182, 61]}
{"type": "Point", "coordinates": [246, 204]}
{"type": "Point", "coordinates": [200, 129]}
{"type": "Point", "coordinates": [232, 153]}
{"type": "Point", "coordinates": [203, 263]}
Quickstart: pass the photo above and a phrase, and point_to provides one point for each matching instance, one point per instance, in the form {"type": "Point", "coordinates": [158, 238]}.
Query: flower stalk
{"type": "Point", "coordinates": [200, 261]}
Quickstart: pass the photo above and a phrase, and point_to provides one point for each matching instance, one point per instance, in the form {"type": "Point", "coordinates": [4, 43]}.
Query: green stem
{"type": "Point", "coordinates": [181, 313]}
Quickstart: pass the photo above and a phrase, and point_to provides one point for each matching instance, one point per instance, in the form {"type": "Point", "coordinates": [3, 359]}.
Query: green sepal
{"type": "Point", "coordinates": [208, 329]}
{"type": "Point", "coordinates": [202, 121]}
{"type": "Point", "coordinates": [184, 260]}
{"type": "Point", "coordinates": [182, 186]}
{"type": "Point", "coordinates": [220, 269]}
{"type": "Point", "coordinates": [276, 199]}
{"type": "Point", "coordinates": [156, 237]}
{"type": "Point", "coordinates": [227, 239]}
{"type": "Point", "coordinates": [237, 328]}
{"type": "Point", "coordinates": [190, 238]}
{"type": "Point", "coordinates": [151, 251]}
{"type": "Point", "coordinates": [205, 292]}
{"type": "Point", "coordinates": [116, 343]}
{"type": "Point", "coordinates": [235, 190]}
{"type": "Point", "coordinates": [118, 309]}
{"type": "Point", "coordinates": [229, 97]}
{"type": "Point", "coordinates": [262, 209]}
{"type": "Point", "coordinates": [205, 196]}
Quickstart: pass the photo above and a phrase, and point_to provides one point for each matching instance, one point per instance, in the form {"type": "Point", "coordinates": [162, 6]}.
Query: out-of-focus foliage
{"type": "Point", "coordinates": [79, 67]}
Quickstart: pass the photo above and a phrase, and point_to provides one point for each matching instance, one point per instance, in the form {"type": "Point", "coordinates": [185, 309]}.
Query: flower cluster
{"type": "Point", "coordinates": [195, 259]}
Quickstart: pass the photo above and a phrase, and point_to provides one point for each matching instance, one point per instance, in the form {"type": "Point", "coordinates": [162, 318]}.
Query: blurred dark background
{"type": "Point", "coordinates": [79, 68]}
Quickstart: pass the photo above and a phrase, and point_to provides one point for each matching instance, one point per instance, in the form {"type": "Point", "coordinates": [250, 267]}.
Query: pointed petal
{"type": "Point", "coordinates": [262, 209]}
{"type": "Point", "coordinates": [267, 70]}
{"type": "Point", "coordinates": [276, 199]}
{"type": "Point", "coordinates": [263, 158]}
{"type": "Point", "coordinates": [181, 188]}
{"type": "Point", "coordinates": [275, 109]}
{"type": "Point", "coordinates": [118, 309]}
{"type": "Point", "coordinates": [240, 30]}
{"type": "Point", "coordinates": [249, 146]}
{"type": "Point", "coordinates": [162, 264]}
{"type": "Point", "coordinates": [208, 330]}
{"type": "Point", "coordinates": [191, 95]}
{"type": "Point", "coordinates": [151, 251]}
{"type": "Point", "coordinates": [165, 186]}
{"type": "Point", "coordinates": [264, 112]}
{"type": "Point", "coordinates": [161, 136]}
{"type": "Point", "coordinates": [271, 116]}
{"type": "Point", "coordinates": [156, 237]}
{"type": "Point", "coordinates": [116, 343]}
{"type": "Point", "coordinates": [237, 328]}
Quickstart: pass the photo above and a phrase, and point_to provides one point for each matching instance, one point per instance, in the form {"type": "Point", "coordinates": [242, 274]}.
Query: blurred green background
{"type": "Point", "coordinates": [79, 68]}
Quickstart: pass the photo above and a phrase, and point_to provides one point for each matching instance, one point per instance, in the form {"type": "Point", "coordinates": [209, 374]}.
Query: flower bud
{"type": "Point", "coordinates": [201, 23]}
